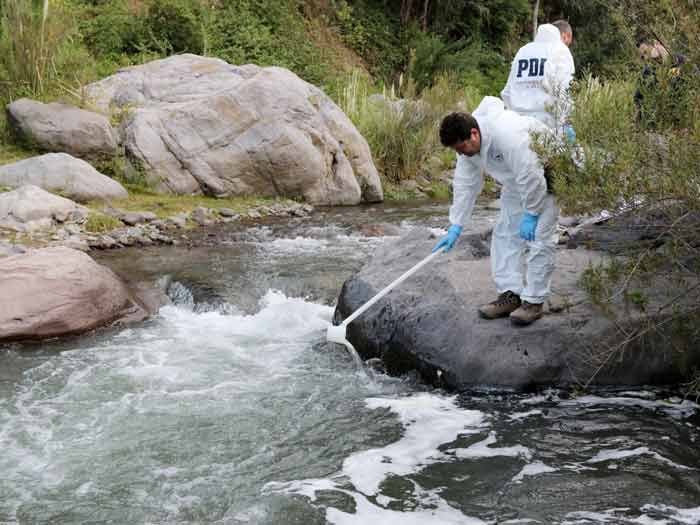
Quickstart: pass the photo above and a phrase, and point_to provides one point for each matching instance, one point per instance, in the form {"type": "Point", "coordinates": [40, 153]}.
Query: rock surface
{"type": "Point", "coordinates": [201, 125]}
{"type": "Point", "coordinates": [59, 172]}
{"type": "Point", "coordinates": [430, 323]}
{"type": "Point", "coordinates": [30, 208]}
{"type": "Point", "coordinates": [62, 128]}
{"type": "Point", "coordinates": [58, 291]}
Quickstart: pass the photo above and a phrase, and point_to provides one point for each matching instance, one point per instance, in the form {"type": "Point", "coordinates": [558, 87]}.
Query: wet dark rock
{"type": "Point", "coordinates": [430, 324]}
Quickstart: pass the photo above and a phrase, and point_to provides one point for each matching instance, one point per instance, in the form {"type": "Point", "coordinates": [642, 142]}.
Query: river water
{"type": "Point", "coordinates": [229, 408]}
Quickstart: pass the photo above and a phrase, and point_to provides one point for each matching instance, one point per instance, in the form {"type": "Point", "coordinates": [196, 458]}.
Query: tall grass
{"type": "Point", "coordinates": [38, 48]}
{"type": "Point", "coordinates": [403, 132]}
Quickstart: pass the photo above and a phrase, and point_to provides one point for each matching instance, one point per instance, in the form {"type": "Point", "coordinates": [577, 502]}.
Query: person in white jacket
{"type": "Point", "coordinates": [496, 141]}
{"type": "Point", "coordinates": [539, 79]}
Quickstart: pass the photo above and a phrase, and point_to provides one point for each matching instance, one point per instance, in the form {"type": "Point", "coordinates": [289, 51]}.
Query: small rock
{"type": "Point", "coordinates": [7, 249]}
{"type": "Point", "coordinates": [137, 217]}
{"type": "Point", "coordinates": [106, 242]}
{"type": "Point", "coordinates": [160, 224]}
{"type": "Point", "coordinates": [201, 216]}
{"type": "Point", "coordinates": [254, 214]}
{"type": "Point", "coordinates": [179, 221]}
{"type": "Point", "coordinates": [123, 237]}
{"type": "Point", "coordinates": [409, 185]}
{"type": "Point", "coordinates": [569, 222]}
{"type": "Point", "coordinates": [76, 243]}
{"type": "Point", "coordinates": [72, 229]}
{"type": "Point", "coordinates": [227, 212]}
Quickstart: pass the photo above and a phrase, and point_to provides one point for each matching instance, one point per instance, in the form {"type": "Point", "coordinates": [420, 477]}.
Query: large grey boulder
{"type": "Point", "coordinates": [30, 208]}
{"type": "Point", "coordinates": [201, 125]}
{"type": "Point", "coordinates": [62, 128]}
{"type": "Point", "coordinates": [62, 173]}
{"type": "Point", "coordinates": [430, 324]}
{"type": "Point", "coordinates": [58, 291]}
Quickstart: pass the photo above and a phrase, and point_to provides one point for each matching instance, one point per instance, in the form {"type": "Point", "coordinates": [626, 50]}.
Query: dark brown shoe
{"type": "Point", "coordinates": [527, 314]}
{"type": "Point", "coordinates": [506, 303]}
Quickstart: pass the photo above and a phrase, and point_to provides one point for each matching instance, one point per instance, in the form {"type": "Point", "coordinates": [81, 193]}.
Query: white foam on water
{"type": "Point", "coordinates": [614, 454]}
{"type": "Point", "coordinates": [689, 516]}
{"type": "Point", "coordinates": [439, 513]}
{"type": "Point", "coordinates": [532, 469]}
{"type": "Point", "coordinates": [301, 245]}
{"type": "Point", "coordinates": [77, 403]}
{"type": "Point", "coordinates": [522, 415]}
{"type": "Point", "coordinates": [586, 517]}
{"type": "Point", "coordinates": [429, 421]}
{"type": "Point", "coordinates": [676, 407]}
{"type": "Point", "coordinates": [297, 245]}
{"type": "Point", "coordinates": [638, 393]}
{"type": "Point", "coordinates": [660, 515]}
{"type": "Point", "coordinates": [431, 510]}
{"type": "Point", "coordinates": [482, 449]}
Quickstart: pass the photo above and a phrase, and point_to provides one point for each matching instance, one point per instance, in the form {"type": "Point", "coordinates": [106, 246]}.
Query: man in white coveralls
{"type": "Point", "coordinates": [497, 141]}
{"type": "Point", "coordinates": [539, 78]}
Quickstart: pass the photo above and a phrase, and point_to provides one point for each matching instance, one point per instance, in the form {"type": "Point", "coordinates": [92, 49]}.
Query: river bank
{"type": "Point", "coordinates": [228, 406]}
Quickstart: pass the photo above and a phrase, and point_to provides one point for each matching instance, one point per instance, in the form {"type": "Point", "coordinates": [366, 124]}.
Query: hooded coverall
{"type": "Point", "coordinates": [505, 155]}
{"type": "Point", "coordinates": [539, 79]}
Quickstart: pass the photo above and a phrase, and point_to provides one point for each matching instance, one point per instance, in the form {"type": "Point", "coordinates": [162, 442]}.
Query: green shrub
{"type": "Point", "coordinates": [476, 64]}
{"type": "Point", "coordinates": [175, 26]}
{"type": "Point", "coordinates": [379, 38]}
{"type": "Point", "coordinates": [265, 32]}
{"type": "Point", "coordinates": [111, 30]}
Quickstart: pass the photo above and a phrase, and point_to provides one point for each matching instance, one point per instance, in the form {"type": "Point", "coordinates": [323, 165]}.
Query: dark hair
{"type": "Point", "coordinates": [456, 127]}
{"type": "Point", "coordinates": [563, 26]}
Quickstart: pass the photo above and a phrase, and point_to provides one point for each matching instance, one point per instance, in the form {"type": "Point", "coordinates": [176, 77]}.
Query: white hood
{"type": "Point", "coordinates": [547, 33]}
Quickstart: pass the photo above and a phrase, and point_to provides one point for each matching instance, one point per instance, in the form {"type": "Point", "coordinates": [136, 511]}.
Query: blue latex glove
{"type": "Point", "coordinates": [570, 134]}
{"type": "Point", "coordinates": [449, 240]}
{"type": "Point", "coordinates": [528, 225]}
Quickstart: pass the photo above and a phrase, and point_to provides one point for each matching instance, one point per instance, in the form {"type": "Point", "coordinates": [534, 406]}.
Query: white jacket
{"type": "Point", "coordinates": [539, 78]}
{"type": "Point", "coordinates": [506, 156]}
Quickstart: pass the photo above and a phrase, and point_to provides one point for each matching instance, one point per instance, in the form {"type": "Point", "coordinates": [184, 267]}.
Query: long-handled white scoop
{"type": "Point", "coordinates": [337, 334]}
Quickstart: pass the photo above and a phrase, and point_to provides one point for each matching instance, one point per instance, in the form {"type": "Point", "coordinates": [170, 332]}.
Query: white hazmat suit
{"type": "Point", "coordinates": [505, 155]}
{"type": "Point", "coordinates": [539, 79]}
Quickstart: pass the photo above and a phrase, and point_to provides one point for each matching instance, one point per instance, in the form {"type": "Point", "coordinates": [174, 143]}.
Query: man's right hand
{"type": "Point", "coordinates": [449, 240]}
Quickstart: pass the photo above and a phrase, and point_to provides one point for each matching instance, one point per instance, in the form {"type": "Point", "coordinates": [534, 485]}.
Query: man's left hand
{"type": "Point", "coordinates": [528, 225]}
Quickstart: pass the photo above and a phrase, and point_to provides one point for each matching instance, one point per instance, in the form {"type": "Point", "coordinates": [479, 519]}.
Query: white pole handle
{"type": "Point", "coordinates": [389, 288]}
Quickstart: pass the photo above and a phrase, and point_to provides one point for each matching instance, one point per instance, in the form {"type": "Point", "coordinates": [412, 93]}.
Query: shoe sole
{"type": "Point", "coordinates": [501, 316]}
{"type": "Point", "coordinates": [522, 322]}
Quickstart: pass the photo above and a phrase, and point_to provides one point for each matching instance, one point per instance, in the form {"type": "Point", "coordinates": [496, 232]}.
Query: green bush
{"type": "Point", "coordinates": [111, 30]}
{"type": "Point", "coordinates": [474, 62]}
{"type": "Point", "coordinates": [175, 26]}
{"type": "Point", "coordinates": [368, 29]}
{"type": "Point", "coordinates": [265, 32]}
